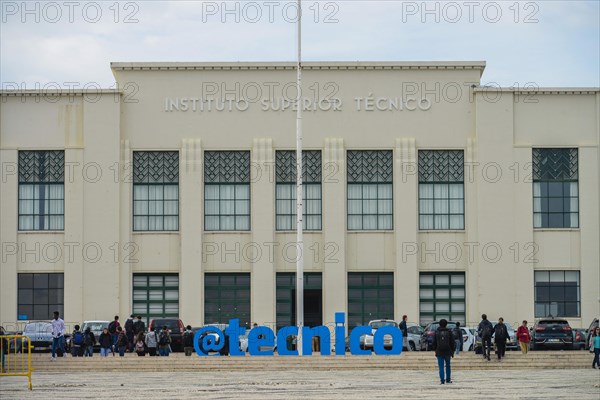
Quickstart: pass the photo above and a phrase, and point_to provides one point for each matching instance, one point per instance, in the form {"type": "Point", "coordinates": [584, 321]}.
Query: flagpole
{"type": "Point", "coordinates": [299, 205]}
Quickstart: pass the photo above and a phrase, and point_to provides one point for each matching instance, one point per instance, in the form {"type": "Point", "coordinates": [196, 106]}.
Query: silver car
{"type": "Point", "coordinates": [376, 324]}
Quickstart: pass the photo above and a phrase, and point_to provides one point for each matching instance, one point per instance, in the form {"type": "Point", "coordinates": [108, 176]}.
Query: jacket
{"type": "Point", "coordinates": [129, 326]}
{"type": "Point", "coordinates": [457, 332]}
{"type": "Point", "coordinates": [151, 339]}
{"type": "Point", "coordinates": [188, 338]}
{"type": "Point", "coordinates": [122, 339]}
{"type": "Point", "coordinates": [403, 328]}
{"type": "Point", "coordinates": [483, 324]}
{"type": "Point", "coordinates": [523, 334]}
{"type": "Point", "coordinates": [105, 340]}
{"type": "Point", "coordinates": [451, 349]}
{"type": "Point", "coordinates": [139, 326]}
{"type": "Point", "coordinates": [501, 333]}
{"type": "Point", "coordinates": [168, 338]}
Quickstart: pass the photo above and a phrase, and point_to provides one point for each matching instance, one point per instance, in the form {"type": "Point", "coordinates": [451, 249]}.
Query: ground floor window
{"type": "Point", "coordinates": [286, 299]}
{"type": "Point", "coordinates": [156, 296]}
{"type": "Point", "coordinates": [40, 295]}
{"type": "Point", "coordinates": [442, 295]}
{"type": "Point", "coordinates": [227, 296]}
{"type": "Point", "coordinates": [557, 294]}
{"type": "Point", "coordinates": [370, 296]}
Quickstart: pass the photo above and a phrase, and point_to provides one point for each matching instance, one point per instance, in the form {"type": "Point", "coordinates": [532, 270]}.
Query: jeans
{"type": "Point", "coordinates": [441, 361]}
{"type": "Point", "coordinates": [58, 341]}
{"type": "Point", "coordinates": [163, 351]}
{"type": "Point", "coordinates": [122, 350]}
{"type": "Point", "coordinates": [405, 343]}
{"type": "Point", "coordinates": [486, 347]}
{"type": "Point", "coordinates": [457, 344]}
{"type": "Point", "coordinates": [89, 351]}
{"type": "Point", "coordinates": [596, 357]}
{"type": "Point", "coordinates": [114, 340]}
{"type": "Point", "coordinates": [152, 351]}
{"type": "Point", "coordinates": [104, 351]}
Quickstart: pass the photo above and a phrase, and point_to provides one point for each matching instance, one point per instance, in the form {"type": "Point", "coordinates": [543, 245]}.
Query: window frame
{"type": "Point", "coordinates": [52, 306]}
{"type": "Point", "coordinates": [449, 315]}
{"type": "Point", "coordinates": [221, 287]}
{"type": "Point", "coordinates": [147, 316]}
{"type": "Point", "coordinates": [364, 316]}
{"type": "Point", "coordinates": [548, 304]}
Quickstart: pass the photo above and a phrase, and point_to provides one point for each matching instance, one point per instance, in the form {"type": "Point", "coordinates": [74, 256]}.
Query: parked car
{"type": "Point", "coordinates": [39, 334]}
{"type": "Point", "coordinates": [590, 331]}
{"type": "Point", "coordinates": [96, 328]}
{"type": "Point", "coordinates": [414, 336]}
{"type": "Point", "coordinates": [468, 339]}
{"type": "Point", "coordinates": [175, 327]}
{"type": "Point", "coordinates": [512, 344]}
{"type": "Point", "coordinates": [426, 341]}
{"type": "Point", "coordinates": [552, 333]}
{"type": "Point", "coordinates": [579, 339]}
{"type": "Point", "coordinates": [15, 345]}
{"type": "Point", "coordinates": [376, 324]}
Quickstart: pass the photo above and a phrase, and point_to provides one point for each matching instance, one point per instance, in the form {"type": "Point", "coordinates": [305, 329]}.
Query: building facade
{"type": "Point", "coordinates": [425, 194]}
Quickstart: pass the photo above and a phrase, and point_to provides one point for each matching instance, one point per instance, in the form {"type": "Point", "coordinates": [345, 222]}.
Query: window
{"type": "Point", "coordinates": [555, 188]}
{"type": "Point", "coordinates": [286, 299]}
{"type": "Point", "coordinates": [156, 295]}
{"type": "Point", "coordinates": [155, 191]}
{"type": "Point", "coordinates": [370, 188]}
{"type": "Point", "coordinates": [441, 295]}
{"type": "Point", "coordinates": [227, 190]}
{"type": "Point", "coordinates": [370, 296]}
{"type": "Point", "coordinates": [557, 294]}
{"type": "Point", "coordinates": [40, 295]}
{"type": "Point", "coordinates": [285, 165]}
{"type": "Point", "coordinates": [441, 189]}
{"type": "Point", "coordinates": [226, 296]}
{"type": "Point", "coordinates": [41, 190]}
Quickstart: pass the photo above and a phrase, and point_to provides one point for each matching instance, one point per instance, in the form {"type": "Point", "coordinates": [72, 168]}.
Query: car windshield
{"type": "Point", "coordinates": [553, 322]}
{"type": "Point", "coordinates": [379, 324]}
{"type": "Point", "coordinates": [38, 327]}
{"type": "Point", "coordinates": [94, 326]}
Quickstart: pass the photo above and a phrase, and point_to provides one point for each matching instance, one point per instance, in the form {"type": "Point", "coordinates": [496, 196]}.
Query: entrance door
{"type": "Point", "coordinates": [313, 307]}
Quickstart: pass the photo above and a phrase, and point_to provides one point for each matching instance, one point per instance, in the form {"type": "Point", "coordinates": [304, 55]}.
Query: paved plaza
{"type": "Point", "coordinates": [292, 384]}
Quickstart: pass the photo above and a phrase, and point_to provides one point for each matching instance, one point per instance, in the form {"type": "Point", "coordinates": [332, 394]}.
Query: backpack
{"type": "Point", "coordinates": [456, 333]}
{"type": "Point", "coordinates": [188, 338]}
{"type": "Point", "coordinates": [87, 340]}
{"type": "Point", "coordinates": [487, 331]}
{"type": "Point", "coordinates": [112, 327]}
{"type": "Point", "coordinates": [443, 341]}
{"type": "Point", "coordinates": [163, 339]}
{"type": "Point", "coordinates": [139, 347]}
{"type": "Point", "coordinates": [78, 338]}
{"type": "Point", "coordinates": [499, 332]}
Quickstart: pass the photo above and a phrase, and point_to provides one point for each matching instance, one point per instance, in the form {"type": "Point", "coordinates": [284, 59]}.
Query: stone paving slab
{"type": "Point", "coordinates": [580, 384]}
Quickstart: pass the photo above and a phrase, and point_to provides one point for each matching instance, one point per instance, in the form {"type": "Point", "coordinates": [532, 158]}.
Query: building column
{"type": "Point", "coordinates": [9, 212]}
{"type": "Point", "coordinates": [335, 277]}
{"type": "Point", "coordinates": [262, 186]}
{"type": "Point", "coordinates": [406, 223]}
{"type": "Point", "coordinates": [125, 277]}
{"type": "Point", "coordinates": [191, 222]}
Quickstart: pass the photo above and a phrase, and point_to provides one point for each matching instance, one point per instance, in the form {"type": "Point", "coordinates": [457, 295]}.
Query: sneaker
{"type": "Point", "coordinates": [448, 381]}
{"type": "Point", "coordinates": [488, 358]}
{"type": "Point", "coordinates": [442, 382]}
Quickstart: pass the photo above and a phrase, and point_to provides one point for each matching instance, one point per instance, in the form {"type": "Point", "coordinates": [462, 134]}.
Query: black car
{"type": "Point", "coordinates": [429, 332]}
{"type": "Point", "coordinates": [552, 333]}
{"type": "Point", "coordinates": [175, 327]}
{"type": "Point", "coordinates": [590, 332]}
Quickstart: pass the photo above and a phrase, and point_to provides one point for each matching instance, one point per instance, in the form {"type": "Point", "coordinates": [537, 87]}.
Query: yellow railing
{"type": "Point", "coordinates": [13, 363]}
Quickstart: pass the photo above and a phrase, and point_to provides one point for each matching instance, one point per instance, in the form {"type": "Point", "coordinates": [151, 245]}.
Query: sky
{"type": "Point", "coordinates": [549, 43]}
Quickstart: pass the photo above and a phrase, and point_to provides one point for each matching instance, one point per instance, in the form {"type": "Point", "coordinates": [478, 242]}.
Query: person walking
{"type": "Point", "coordinates": [596, 346]}
{"type": "Point", "coordinates": [523, 337]}
{"type": "Point", "coordinates": [58, 335]}
{"type": "Point", "coordinates": [122, 341]}
{"type": "Point", "coordinates": [129, 332]}
{"type": "Point", "coordinates": [139, 326]}
{"type": "Point", "coordinates": [457, 337]}
{"type": "Point", "coordinates": [404, 330]}
{"type": "Point", "coordinates": [485, 331]}
{"type": "Point", "coordinates": [88, 342]}
{"type": "Point", "coordinates": [151, 342]}
{"type": "Point", "coordinates": [500, 338]}
{"type": "Point", "coordinates": [140, 347]}
{"type": "Point", "coordinates": [164, 340]}
{"type": "Point", "coordinates": [112, 329]}
{"type": "Point", "coordinates": [188, 341]}
{"type": "Point", "coordinates": [106, 342]}
{"type": "Point", "coordinates": [77, 345]}
{"type": "Point", "coordinates": [444, 347]}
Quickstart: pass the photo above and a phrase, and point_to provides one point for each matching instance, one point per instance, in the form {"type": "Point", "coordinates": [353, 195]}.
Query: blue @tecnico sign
{"type": "Point", "coordinates": [212, 339]}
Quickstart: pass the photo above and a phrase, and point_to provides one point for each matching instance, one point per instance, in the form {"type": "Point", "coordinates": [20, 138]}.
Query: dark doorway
{"type": "Point", "coordinates": [313, 307]}
{"type": "Point", "coordinates": [286, 299]}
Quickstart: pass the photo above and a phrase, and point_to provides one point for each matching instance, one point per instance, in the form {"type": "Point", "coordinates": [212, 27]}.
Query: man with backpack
{"type": "Point", "coordinates": [444, 347]}
{"type": "Point", "coordinates": [151, 342]}
{"type": "Point", "coordinates": [139, 326]}
{"type": "Point", "coordinates": [404, 330]}
{"type": "Point", "coordinates": [88, 342]}
{"type": "Point", "coordinates": [500, 337]}
{"type": "Point", "coordinates": [457, 337]}
{"type": "Point", "coordinates": [485, 331]}
{"type": "Point", "coordinates": [112, 330]}
{"type": "Point", "coordinates": [77, 339]}
{"type": "Point", "coordinates": [188, 341]}
{"type": "Point", "coordinates": [164, 340]}
{"type": "Point", "coordinates": [129, 332]}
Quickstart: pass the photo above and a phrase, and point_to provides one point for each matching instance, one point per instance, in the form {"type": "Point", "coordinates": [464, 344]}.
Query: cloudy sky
{"type": "Point", "coordinates": [546, 43]}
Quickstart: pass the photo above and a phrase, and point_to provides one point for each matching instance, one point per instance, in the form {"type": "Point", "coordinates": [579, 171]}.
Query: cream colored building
{"type": "Point", "coordinates": [427, 195]}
